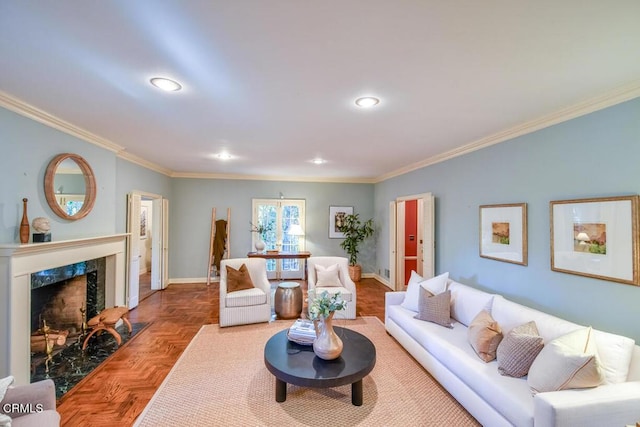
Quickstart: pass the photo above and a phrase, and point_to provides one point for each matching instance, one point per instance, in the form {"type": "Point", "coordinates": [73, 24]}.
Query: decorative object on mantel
{"type": "Point", "coordinates": [355, 232]}
{"type": "Point", "coordinates": [327, 345]}
{"type": "Point", "coordinates": [42, 226]}
{"type": "Point", "coordinates": [24, 224]}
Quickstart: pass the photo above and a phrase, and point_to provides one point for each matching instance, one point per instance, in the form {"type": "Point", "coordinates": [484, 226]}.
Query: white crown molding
{"type": "Point", "coordinates": [616, 96]}
{"type": "Point", "coordinates": [144, 163]}
{"type": "Point", "coordinates": [20, 107]}
{"type": "Point", "coordinates": [195, 175]}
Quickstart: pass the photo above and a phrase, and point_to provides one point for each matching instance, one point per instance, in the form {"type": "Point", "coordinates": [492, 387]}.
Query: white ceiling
{"type": "Point", "coordinates": [273, 81]}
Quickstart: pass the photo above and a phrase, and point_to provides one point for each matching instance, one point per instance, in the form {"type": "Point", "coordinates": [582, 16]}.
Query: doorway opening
{"type": "Point", "coordinates": [411, 238]}
{"type": "Point", "coordinates": [147, 266]}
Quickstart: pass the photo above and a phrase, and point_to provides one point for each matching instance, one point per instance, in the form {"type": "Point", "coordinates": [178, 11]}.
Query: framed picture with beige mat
{"type": "Point", "coordinates": [596, 238]}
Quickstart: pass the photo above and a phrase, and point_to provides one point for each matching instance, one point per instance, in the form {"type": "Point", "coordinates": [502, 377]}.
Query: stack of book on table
{"type": "Point", "coordinates": [302, 332]}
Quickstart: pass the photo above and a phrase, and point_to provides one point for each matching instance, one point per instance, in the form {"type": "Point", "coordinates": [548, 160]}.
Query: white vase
{"type": "Point", "coordinates": [260, 245]}
{"type": "Point", "coordinates": [327, 345]}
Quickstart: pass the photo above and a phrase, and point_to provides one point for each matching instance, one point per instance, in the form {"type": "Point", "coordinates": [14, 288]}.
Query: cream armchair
{"type": "Point", "coordinates": [248, 305]}
{"type": "Point", "coordinates": [346, 286]}
{"type": "Point", "coordinates": [31, 405]}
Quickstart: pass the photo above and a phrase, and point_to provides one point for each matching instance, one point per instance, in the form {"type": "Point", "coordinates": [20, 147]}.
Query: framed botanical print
{"type": "Point", "coordinates": [503, 232]}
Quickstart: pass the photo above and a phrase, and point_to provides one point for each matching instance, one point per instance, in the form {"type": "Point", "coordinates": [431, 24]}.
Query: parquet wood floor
{"type": "Point", "coordinates": [118, 390]}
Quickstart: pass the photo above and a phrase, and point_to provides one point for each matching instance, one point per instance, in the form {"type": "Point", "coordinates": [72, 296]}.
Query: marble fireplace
{"type": "Point", "coordinates": [17, 265]}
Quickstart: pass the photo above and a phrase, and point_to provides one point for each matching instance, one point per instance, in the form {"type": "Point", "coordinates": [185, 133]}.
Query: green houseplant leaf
{"type": "Point", "coordinates": [355, 232]}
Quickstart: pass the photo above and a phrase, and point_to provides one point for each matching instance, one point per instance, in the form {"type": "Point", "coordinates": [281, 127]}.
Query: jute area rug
{"type": "Point", "coordinates": [221, 380]}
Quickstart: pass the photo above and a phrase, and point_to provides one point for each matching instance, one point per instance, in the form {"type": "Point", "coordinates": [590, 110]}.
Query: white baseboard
{"type": "Point", "coordinates": [187, 280]}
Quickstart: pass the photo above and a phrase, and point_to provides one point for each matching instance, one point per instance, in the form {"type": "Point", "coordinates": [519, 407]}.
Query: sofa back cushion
{"type": "Point", "coordinates": [510, 314]}
{"type": "Point", "coordinates": [615, 351]}
{"type": "Point", "coordinates": [467, 302]}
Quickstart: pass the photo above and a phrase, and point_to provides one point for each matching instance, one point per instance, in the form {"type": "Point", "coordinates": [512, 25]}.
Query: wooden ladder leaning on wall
{"type": "Point", "coordinates": [212, 242]}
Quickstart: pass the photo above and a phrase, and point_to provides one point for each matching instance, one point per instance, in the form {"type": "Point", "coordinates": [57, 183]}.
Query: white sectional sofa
{"type": "Point", "coordinates": [497, 400]}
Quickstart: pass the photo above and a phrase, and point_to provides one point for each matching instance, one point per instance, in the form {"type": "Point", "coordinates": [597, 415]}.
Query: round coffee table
{"type": "Point", "coordinates": [297, 364]}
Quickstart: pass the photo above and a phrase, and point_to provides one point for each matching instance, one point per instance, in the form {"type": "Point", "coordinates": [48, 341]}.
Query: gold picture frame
{"type": "Point", "coordinates": [503, 232]}
{"type": "Point", "coordinates": [596, 238]}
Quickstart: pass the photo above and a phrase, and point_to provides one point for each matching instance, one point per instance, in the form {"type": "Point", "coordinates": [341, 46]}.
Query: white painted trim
{"type": "Point", "coordinates": [616, 96]}
{"type": "Point", "coordinates": [144, 163]}
{"type": "Point", "coordinates": [17, 106]}
{"type": "Point", "coordinates": [187, 280]}
{"type": "Point", "coordinates": [382, 280]}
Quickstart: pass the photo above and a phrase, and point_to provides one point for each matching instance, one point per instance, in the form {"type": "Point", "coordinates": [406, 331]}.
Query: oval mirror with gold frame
{"type": "Point", "coordinates": [70, 186]}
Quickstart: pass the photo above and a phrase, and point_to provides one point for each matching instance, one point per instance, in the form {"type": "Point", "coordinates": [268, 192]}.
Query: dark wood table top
{"type": "Point", "coordinates": [279, 255]}
{"type": "Point", "coordinates": [297, 364]}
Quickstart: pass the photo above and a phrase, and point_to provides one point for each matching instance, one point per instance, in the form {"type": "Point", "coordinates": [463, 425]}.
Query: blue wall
{"type": "Point", "coordinates": [193, 199]}
{"type": "Point", "coordinates": [592, 156]}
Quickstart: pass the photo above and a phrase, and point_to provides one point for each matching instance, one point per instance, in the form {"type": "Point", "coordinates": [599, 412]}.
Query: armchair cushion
{"type": "Point", "coordinates": [238, 280]}
{"type": "Point", "coordinates": [328, 276]}
{"type": "Point", "coordinates": [246, 297]}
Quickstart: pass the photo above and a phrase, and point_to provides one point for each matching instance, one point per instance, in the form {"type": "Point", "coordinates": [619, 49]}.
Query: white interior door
{"type": "Point", "coordinates": [164, 266]}
{"type": "Point", "coordinates": [133, 249]}
{"type": "Point", "coordinates": [392, 245]}
{"type": "Point", "coordinates": [426, 229]}
{"type": "Point", "coordinates": [158, 240]}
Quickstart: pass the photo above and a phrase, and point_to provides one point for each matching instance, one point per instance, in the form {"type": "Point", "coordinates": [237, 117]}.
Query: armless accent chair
{"type": "Point", "coordinates": [333, 277]}
{"type": "Point", "coordinates": [247, 305]}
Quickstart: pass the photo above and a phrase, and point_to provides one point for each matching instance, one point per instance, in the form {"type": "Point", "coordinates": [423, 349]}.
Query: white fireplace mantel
{"type": "Point", "coordinates": [17, 262]}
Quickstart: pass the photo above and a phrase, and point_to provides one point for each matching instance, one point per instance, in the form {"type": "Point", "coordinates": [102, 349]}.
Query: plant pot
{"type": "Point", "coordinates": [355, 272]}
{"type": "Point", "coordinates": [260, 245]}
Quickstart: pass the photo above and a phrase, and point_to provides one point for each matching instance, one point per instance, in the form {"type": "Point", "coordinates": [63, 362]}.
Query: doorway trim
{"type": "Point", "coordinates": [426, 231]}
{"type": "Point", "coordinates": [159, 245]}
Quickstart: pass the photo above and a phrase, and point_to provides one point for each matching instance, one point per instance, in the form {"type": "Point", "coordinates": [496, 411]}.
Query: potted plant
{"type": "Point", "coordinates": [354, 233]}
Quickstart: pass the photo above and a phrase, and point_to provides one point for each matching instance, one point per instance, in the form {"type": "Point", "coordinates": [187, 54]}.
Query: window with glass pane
{"type": "Point", "coordinates": [284, 220]}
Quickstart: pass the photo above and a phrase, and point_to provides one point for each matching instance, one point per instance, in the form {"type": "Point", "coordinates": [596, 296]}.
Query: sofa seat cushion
{"type": "Point", "coordinates": [510, 396]}
{"type": "Point", "coordinates": [246, 297]}
{"type": "Point", "coordinates": [332, 290]}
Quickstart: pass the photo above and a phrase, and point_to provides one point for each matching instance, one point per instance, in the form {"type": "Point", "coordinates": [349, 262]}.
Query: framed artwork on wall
{"type": "Point", "coordinates": [143, 221]}
{"type": "Point", "coordinates": [596, 238]}
{"type": "Point", "coordinates": [336, 216]}
{"type": "Point", "coordinates": [503, 232]}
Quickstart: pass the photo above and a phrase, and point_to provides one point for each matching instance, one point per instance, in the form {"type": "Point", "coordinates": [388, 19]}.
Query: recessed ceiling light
{"type": "Point", "coordinates": [318, 161]}
{"type": "Point", "coordinates": [166, 84]}
{"type": "Point", "coordinates": [367, 101]}
{"type": "Point", "coordinates": [224, 156]}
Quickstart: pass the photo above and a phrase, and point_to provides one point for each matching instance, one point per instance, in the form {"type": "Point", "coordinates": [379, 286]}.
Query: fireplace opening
{"type": "Point", "coordinates": [62, 300]}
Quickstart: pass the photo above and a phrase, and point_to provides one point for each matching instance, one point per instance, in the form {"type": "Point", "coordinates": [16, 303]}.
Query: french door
{"type": "Point", "coordinates": [278, 215]}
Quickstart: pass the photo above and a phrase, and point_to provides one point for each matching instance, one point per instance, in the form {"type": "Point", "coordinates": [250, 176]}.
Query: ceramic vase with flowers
{"type": "Point", "coordinates": [261, 230]}
{"type": "Point", "coordinates": [327, 345]}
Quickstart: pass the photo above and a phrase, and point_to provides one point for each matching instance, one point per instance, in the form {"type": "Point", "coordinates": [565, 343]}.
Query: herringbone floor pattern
{"type": "Point", "coordinates": [118, 390]}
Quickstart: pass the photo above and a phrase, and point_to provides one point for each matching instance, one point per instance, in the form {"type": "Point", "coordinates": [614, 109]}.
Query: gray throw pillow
{"type": "Point", "coordinates": [435, 308]}
{"type": "Point", "coordinates": [518, 350]}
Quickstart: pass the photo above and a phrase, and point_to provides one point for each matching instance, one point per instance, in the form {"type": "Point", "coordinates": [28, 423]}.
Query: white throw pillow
{"type": "Point", "coordinates": [570, 361]}
{"type": "Point", "coordinates": [435, 285]}
{"type": "Point", "coordinates": [328, 277]}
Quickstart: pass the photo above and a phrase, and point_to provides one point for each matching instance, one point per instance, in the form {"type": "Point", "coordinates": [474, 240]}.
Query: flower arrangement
{"type": "Point", "coordinates": [261, 229]}
{"type": "Point", "coordinates": [324, 305]}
